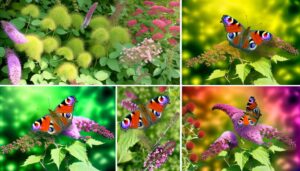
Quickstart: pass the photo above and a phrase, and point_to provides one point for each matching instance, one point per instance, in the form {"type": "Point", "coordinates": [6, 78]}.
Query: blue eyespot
{"type": "Point", "coordinates": [252, 45]}
{"type": "Point", "coordinates": [125, 123]}
{"type": "Point", "coordinates": [157, 113]}
{"type": "Point", "coordinates": [230, 36]}
{"type": "Point", "coordinates": [68, 115]}
{"type": "Point", "coordinates": [51, 129]}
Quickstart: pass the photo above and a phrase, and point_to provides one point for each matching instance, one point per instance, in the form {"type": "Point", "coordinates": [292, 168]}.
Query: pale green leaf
{"type": "Point", "coordinates": [217, 74]}
{"type": "Point", "coordinates": [78, 150]}
{"type": "Point", "coordinates": [242, 70]}
{"type": "Point", "coordinates": [277, 58]}
{"type": "Point", "coordinates": [241, 158]}
{"type": "Point", "coordinates": [263, 66]}
{"type": "Point", "coordinates": [58, 155]}
{"type": "Point", "coordinates": [265, 81]}
{"type": "Point", "coordinates": [43, 64]}
{"type": "Point", "coordinates": [261, 154]}
{"type": "Point", "coordinates": [130, 71]}
{"type": "Point", "coordinates": [275, 148]}
{"type": "Point", "coordinates": [32, 159]}
{"type": "Point", "coordinates": [223, 154]}
{"type": "Point", "coordinates": [101, 75]}
{"type": "Point", "coordinates": [2, 51]}
{"type": "Point", "coordinates": [92, 142]}
{"type": "Point", "coordinates": [261, 168]}
{"type": "Point", "coordinates": [114, 54]}
{"type": "Point", "coordinates": [126, 140]}
{"type": "Point", "coordinates": [36, 22]}
{"type": "Point", "coordinates": [81, 166]}
{"type": "Point", "coordinates": [113, 64]}
{"type": "Point", "coordinates": [29, 64]}
{"type": "Point", "coordinates": [47, 75]}
{"type": "Point", "coordinates": [157, 71]}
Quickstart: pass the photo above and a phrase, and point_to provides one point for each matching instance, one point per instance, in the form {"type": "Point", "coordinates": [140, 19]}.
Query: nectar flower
{"type": "Point", "coordinates": [130, 95]}
{"type": "Point", "coordinates": [196, 124]}
{"type": "Point", "coordinates": [159, 23]}
{"type": "Point", "coordinates": [201, 134]}
{"type": "Point", "coordinates": [13, 33]}
{"type": "Point", "coordinates": [89, 15]}
{"type": "Point", "coordinates": [131, 23]}
{"type": "Point", "coordinates": [157, 36]}
{"type": "Point", "coordinates": [14, 67]}
{"type": "Point", "coordinates": [159, 155]}
{"type": "Point", "coordinates": [194, 158]}
{"type": "Point", "coordinates": [190, 106]}
{"type": "Point", "coordinates": [189, 145]}
{"type": "Point", "coordinates": [226, 141]}
{"type": "Point", "coordinates": [162, 89]}
{"type": "Point", "coordinates": [137, 12]}
{"type": "Point", "coordinates": [174, 4]}
{"type": "Point", "coordinates": [190, 120]}
{"type": "Point", "coordinates": [127, 104]}
{"type": "Point", "coordinates": [149, 3]}
{"type": "Point", "coordinates": [86, 125]}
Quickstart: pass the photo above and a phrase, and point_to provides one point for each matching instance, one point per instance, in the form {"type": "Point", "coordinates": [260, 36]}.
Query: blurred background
{"type": "Point", "coordinates": [142, 139]}
{"type": "Point", "coordinates": [202, 29]}
{"type": "Point", "coordinates": [21, 106]}
{"type": "Point", "coordinates": [280, 108]}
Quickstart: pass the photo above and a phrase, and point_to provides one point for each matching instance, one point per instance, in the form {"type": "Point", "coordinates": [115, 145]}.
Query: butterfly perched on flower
{"type": "Point", "coordinates": [58, 120]}
{"type": "Point", "coordinates": [242, 38]}
{"type": "Point", "coordinates": [252, 113]}
{"type": "Point", "coordinates": [145, 115]}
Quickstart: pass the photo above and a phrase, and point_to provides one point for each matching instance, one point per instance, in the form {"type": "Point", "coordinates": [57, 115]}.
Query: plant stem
{"type": "Point", "coordinates": [28, 24]}
{"type": "Point", "coordinates": [226, 162]}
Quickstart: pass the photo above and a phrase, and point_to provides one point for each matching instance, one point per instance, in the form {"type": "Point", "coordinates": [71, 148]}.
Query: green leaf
{"type": "Point", "coordinates": [241, 158]}
{"type": "Point", "coordinates": [261, 154]}
{"type": "Point", "coordinates": [242, 70]}
{"type": "Point", "coordinates": [80, 166]}
{"type": "Point", "coordinates": [175, 73]}
{"type": "Point", "coordinates": [78, 150]}
{"type": "Point", "coordinates": [29, 64]}
{"type": "Point", "coordinates": [263, 66]}
{"type": "Point", "coordinates": [113, 64]}
{"type": "Point", "coordinates": [223, 154]}
{"type": "Point", "coordinates": [275, 148]}
{"type": "Point", "coordinates": [114, 54]}
{"type": "Point", "coordinates": [5, 69]}
{"type": "Point", "coordinates": [2, 51]}
{"type": "Point", "coordinates": [60, 31]}
{"type": "Point", "coordinates": [277, 58]}
{"type": "Point", "coordinates": [157, 71]}
{"type": "Point", "coordinates": [36, 78]}
{"type": "Point", "coordinates": [36, 22]}
{"type": "Point", "coordinates": [126, 140]}
{"type": "Point", "coordinates": [92, 142]}
{"type": "Point", "coordinates": [130, 71]}
{"type": "Point", "coordinates": [32, 159]}
{"type": "Point", "coordinates": [101, 75]}
{"type": "Point", "coordinates": [265, 81]}
{"type": "Point", "coordinates": [58, 155]}
{"type": "Point", "coordinates": [18, 22]}
{"type": "Point", "coordinates": [260, 168]}
{"type": "Point", "coordinates": [217, 74]}
{"type": "Point", "coordinates": [103, 61]}
{"type": "Point", "coordinates": [47, 75]}
{"type": "Point", "coordinates": [43, 64]}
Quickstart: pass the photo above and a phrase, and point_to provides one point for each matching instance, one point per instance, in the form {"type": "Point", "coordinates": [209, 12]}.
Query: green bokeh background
{"type": "Point", "coordinates": [21, 106]}
{"type": "Point", "coordinates": [202, 29]}
{"type": "Point", "coordinates": [153, 132]}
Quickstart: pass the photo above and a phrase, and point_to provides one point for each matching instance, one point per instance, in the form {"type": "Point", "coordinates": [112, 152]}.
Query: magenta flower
{"type": "Point", "coordinates": [131, 23]}
{"type": "Point", "coordinates": [159, 23]}
{"type": "Point", "coordinates": [14, 67]}
{"type": "Point", "coordinates": [89, 15]}
{"type": "Point", "coordinates": [86, 125]}
{"type": "Point", "coordinates": [172, 41]}
{"type": "Point", "coordinates": [137, 12]}
{"type": "Point", "coordinates": [130, 95]}
{"type": "Point", "coordinates": [256, 133]}
{"type": "Point", "coordinates": [143, 30]}
{"type": "Point", "coordinates": [159, 155]}
{"type": "Point", "coordinates": [157, 36]}
{"type": "Point", "coordinates": [13, 33]}
{"type": "Point", "coordinates": [174, 4]}
{"type": "Point", "coordinates": [148, 3]}
{"type": "Point", "coordinates": [174, 29]}
{"type": "Point", "coordinates": [127, 104]}
{"type": "Point", "coordinates": [226, 141]}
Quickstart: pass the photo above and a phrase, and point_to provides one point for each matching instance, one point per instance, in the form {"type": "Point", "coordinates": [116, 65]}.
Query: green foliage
{"type": "Point", "coordinates": [66, 52]}
{"type": "Point", "coordinates": [119, 35]}
{"type": "Point", "coordinates": [77, 45]}
{"type": "Point", "coordinates": [98, 51]}
{"type": "Point", "coordinates": [84, 59]}
{"type": "Point", "coordinates": [33, 48]}
{"type": "Point", "coordinates": [60, 16]}
{"type": "Point", "coordinates": [77, 20]}
{"type": "Point", "coordinates": [67, 71]}
{"type": "Point", "coordinates": [50, 44]}
{"type": "Point", "coordinates": [100, 36]}
{"type": "Point", "coordinates": [32, 160]}
{"type": "Point", "coordinates": [31, 10]}
{"type": "Point", "coordinates": [48, 24]}
{"type": "Point", "coordinates": [99, 22]}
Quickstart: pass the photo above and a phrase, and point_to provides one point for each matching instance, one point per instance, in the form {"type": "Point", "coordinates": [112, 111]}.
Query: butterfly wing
{"type": "Point", "coordinates": [247, 120]}
{"type": "Point", "coordinates": [256, 38]}
{"type": "Point", "coordinates": [63, 113]}
{"type": "Point", "coordinates": [47, 124]}
{"type": "Point", "coordinates": [156, 106]}
{"type": "Point", "coordinates": [234, 30]}
{"type": "Point", "coordinates": [134, 120]}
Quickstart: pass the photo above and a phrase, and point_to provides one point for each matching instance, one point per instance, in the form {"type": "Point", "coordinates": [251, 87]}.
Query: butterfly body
{"type": "Point", "coordinates": [251, 115]}
{"type": "Point", "coordinates": [245, 39]}
{"type": "Point", "coordinates": [145, 115]}
{"type": "Point", "coordinates": [58, 120]}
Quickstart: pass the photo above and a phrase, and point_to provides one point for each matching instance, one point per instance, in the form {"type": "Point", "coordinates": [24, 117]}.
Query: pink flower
{"type": "Point", "coordinates": [86, 125]}
{"type": "Point", "coordinates": [137, 12]}
{"type": "Point", "coordinates": [143, 30]}
{"type": "Point", "coordinates": [157, 36]}
{"type": "Point", "coordinates": [89, 15]}
{"type": "Point", "coordinates": [130, 95]}
{"type": "Point", "coordinates": [174, 29]}
{"type": "Point", "coordinates": [174, 4]}
{"type": "Point", "coordinates": [168, 22]}
{"type": "Point", "coordinates": [127, 104]}
{"type": "Point", "coordinates": [14, 67]}
{"type": "Point", "coordinates": [13, 33]}
{"type": "Point", "coordinates": [172, 41]}
{"type": "Point", "coordinates": [159, 23]}
{"type": "Point", "coordinates": [148, 3]}
{"type": "Point", "coordinates": [131, 23]}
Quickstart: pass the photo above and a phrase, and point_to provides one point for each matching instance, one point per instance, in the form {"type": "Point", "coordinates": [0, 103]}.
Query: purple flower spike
{"type": "Point", "coordinates": [159, 155]}
{"type": "Point", "coordinates": [130, 95]}
{"type": "Point", "coordinates": [255, 133]}
{"type": "Point", "coordinates": [13, 33]}
{"type": "Point", "coordinates": [226, 141]}
{"type": "Point", "coordinates": [86, 125]}
{"type": "Point", "coordinates": [129, 105]}
{"type": "Point", "coordinates": [89, 15]}
{"type": "Point", "coordinates": [14, 67]}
